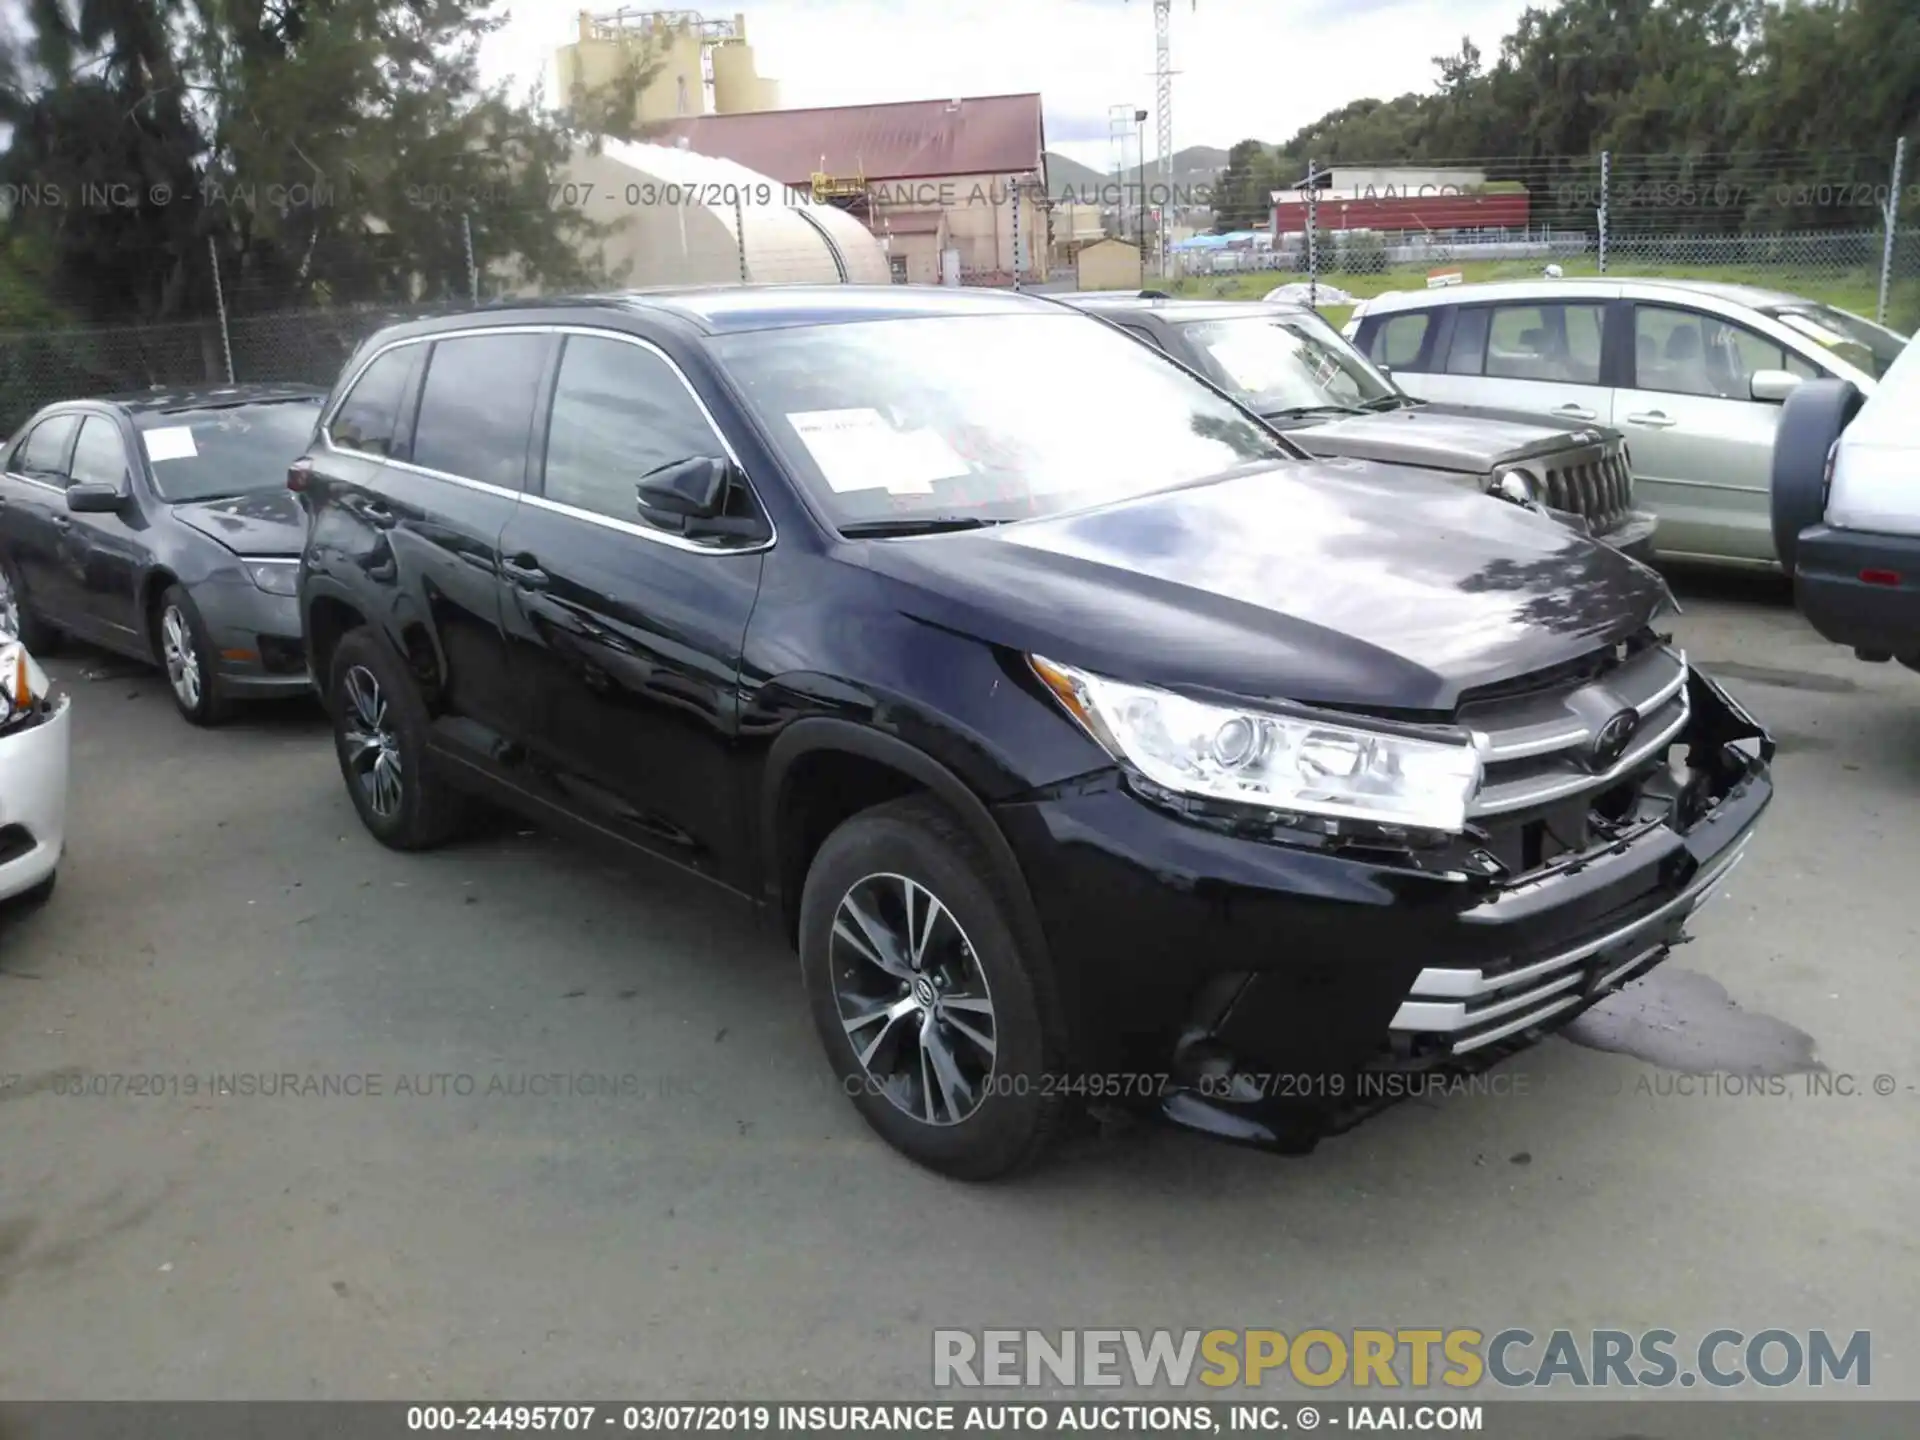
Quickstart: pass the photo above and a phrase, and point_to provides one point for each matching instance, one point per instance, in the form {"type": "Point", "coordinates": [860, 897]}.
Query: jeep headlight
{"type": "Point", "coordinates": [1297, 763]}
{"type": "Point", "coordinates": [1517, 486]}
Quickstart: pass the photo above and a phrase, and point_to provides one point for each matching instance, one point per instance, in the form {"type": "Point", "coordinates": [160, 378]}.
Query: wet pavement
{"type": "Point", "coordinates": [508, 1119]}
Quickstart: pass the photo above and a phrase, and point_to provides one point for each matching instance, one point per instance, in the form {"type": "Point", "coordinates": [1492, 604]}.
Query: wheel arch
{"type": "Point", "coordinates": [821, 771]}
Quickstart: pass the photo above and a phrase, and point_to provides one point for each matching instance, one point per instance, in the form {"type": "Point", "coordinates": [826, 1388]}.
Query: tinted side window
{"type": "Point", "coordinates": [476, 408]}
{"type": "Point", "coordinates": [367, 419]}
{"type": "Point", "coordinates": [1546, 342]}
{"type": "Point", "coordinates": [1469, 348]}
{"type": "Point", "coordinates": [99, 457]}
{"type": "Point", "coordinates": [45, 452]}
{"type": "Point", "coordinates": [1398, 342]}
{"type": "Point", "coordinates": [618, 412]}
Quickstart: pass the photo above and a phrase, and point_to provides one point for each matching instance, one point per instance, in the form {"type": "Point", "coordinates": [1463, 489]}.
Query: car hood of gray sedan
{"type": "Point", "coordinates": [266, 523]}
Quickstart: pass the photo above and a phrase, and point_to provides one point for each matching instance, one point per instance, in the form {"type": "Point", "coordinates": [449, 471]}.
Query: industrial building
{"type": "Point", "coordinates": [700, 66]}
{"type": "Point", "coordinates": [954, 188]}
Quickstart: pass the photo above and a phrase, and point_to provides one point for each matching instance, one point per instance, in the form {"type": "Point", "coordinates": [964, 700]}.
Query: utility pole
{"type": "Point", "coordinates": [1140, 126]}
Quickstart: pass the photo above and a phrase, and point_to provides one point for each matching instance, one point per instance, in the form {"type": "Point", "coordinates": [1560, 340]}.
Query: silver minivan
{"type": "Point", "coordinates": [1692, 372]}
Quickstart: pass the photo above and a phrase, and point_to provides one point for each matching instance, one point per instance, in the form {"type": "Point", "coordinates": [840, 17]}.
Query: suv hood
{"type": "Point", "coordinates": [1336, 583]}
{"type": "Point", "coordinates": [266, 523]}
{"type": "Point", "coordinates": [1441, 440]}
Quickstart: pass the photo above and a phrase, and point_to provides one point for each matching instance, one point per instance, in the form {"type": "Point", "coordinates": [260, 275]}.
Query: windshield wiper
{"type": "Point", "coordinates": [922, 525]}
{"type": "Point", "coordinates": [1291, 412]}
{"type": "Point", "coordinates": [1392, 402]}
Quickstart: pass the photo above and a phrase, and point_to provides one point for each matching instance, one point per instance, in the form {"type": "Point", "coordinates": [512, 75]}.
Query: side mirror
{"type": "Point", "coordinates": [1772, 386]}
{"type": "Point", "coordinates": [687, 489]}
{"type": "Point", "coordinates": [95, 499]}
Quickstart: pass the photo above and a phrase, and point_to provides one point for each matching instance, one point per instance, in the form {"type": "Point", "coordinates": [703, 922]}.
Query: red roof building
{"type": "Point", "coordinates": [954, 189]}
{"type": "Point", "coordinates": [998, 135]}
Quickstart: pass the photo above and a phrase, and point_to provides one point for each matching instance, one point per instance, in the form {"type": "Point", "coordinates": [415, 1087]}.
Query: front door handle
{"type": "Point", "coordinates": [1652, 419]}
{"type": "Point", "coordinates": [1576, 412]}
{"type": "Point", "coordinates": [62, 522]}
{"type": "Point", "coordinates": [380, 517]}
{"type": "Point", "coordinates": [525, 572]}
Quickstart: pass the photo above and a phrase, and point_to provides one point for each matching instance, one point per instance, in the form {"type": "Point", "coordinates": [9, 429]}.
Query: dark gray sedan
{"type": "Point", "coordinates": [159, 526]}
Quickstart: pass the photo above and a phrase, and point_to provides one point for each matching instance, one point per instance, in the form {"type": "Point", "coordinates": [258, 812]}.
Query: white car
{"type": "Point", "coordinates": [36, 741]}
{"type": "Point", "coordinates": [1693, 373]}
{"type": "Point", "coordinates": [1846, 505]}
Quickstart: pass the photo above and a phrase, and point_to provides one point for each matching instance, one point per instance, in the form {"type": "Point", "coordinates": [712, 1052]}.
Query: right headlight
{"type": "Point", "coordinates": [1517, 486]}
{"type": "Point", "coordinates": [1294, 763]}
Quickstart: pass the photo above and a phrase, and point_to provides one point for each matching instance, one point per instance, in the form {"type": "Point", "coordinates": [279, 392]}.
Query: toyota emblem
{"type": "Point", "coordinates": [1612, 740]}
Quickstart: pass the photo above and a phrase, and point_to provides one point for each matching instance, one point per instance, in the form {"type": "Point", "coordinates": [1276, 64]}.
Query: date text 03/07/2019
{"type": "Point", "coordinates": [931, 1418]}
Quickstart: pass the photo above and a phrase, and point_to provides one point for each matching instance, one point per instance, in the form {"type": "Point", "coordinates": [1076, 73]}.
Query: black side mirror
{"type": "Point", "coordinates": [693, 489]}
{"type": "Point", "coordinates": [90, 499]}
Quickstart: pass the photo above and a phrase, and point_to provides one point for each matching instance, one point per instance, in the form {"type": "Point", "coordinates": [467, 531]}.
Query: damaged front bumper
{"type": "Point", "coordinates": [1306, 976]}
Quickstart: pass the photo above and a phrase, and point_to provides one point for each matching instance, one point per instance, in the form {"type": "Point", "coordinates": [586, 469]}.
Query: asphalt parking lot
{"type": "Point", "coordinates": [722, 1223]}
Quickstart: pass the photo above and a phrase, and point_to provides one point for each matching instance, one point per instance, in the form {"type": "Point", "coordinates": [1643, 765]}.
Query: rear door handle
{"type": "Point", "coordinates": [525, 572]}
{"type": "Point", "coordinates": [1576, 412]}
{"type": "Point", "coordinates": [1652, 419]}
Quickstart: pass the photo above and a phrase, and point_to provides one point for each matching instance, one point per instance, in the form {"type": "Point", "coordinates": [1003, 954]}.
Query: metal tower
{"type": "Point", "coordinates": [1163, 111]}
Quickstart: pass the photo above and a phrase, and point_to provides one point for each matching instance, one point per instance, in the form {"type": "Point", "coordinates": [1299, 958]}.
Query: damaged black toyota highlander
{"type": "Point", "coordinates": [1087, 740]}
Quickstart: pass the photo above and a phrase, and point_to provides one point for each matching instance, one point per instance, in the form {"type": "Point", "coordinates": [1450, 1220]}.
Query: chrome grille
{"type": "Point", "coordinates": [1539, 749]}
{"type": "Point", "coordinates": [1593, 484]}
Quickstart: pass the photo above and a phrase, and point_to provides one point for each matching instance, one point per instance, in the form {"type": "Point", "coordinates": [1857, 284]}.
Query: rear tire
{"type": "Point", "coordinates": [944, 1032]}
{"type": "Point", "coordinates": [380, 728]}
{"type": "Point", "coordinates": [1811, 419]}
{"type": "Point", "coordinates": [40, 637]}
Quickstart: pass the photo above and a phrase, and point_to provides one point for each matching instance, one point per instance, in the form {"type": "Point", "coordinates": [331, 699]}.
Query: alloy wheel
{"type": "Point", "coordinates": [9, 607]}
{"type": "Point", "coordinates": [372, 747]}
{"type": "Point", "coordinates": [182, 659]}
{"type": "Point", "coordinates": [913, 998]}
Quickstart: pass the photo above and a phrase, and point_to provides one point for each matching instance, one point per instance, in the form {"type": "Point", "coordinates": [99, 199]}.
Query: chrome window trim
{"type": "Point", "coordinates": [575, 512]}
{"type": "Point", "coordinates": [269, 559]}
{"type": "Point", "coordinates": [42, 484]}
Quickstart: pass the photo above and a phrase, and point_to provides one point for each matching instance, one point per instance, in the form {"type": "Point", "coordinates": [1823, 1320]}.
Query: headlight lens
{"type": "Point", "coordinates": [19, 692]}
{"type": "Point", "coordinates": [276, 577]}
{"type": "Point", "coordinates": [1280, 762]}
{"type": "Point", "coordinates": [1517, 486]}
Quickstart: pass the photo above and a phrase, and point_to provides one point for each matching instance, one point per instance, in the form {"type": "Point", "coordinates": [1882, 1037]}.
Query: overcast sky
{"type": "Point", "coordinates": [1245, 68]}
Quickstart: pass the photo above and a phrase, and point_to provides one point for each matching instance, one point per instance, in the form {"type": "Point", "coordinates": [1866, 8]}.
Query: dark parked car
{"type": "Point", "coordinates": [1086, 740]}
{"type": "Point", "coordinates": [159, 526]}
{"type": "Point", "coordinates": [1291, 366]}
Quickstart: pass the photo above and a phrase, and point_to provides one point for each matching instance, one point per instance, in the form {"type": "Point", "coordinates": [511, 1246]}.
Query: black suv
{"type": "Point", "coordinates": [1293, 368]}
{"type": "Point", "coordinates": [1087, 740]}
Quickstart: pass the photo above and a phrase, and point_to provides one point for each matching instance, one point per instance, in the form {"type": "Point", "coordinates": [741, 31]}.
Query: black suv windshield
{"type": "Point", "coordinates": [1852, 338]}
{"type": "Point", "coordinates": [997, 417]}
{"type": "Point", "coordinates": [228, 449]}
{"type": "Point", "coordinates": [1286, 362]}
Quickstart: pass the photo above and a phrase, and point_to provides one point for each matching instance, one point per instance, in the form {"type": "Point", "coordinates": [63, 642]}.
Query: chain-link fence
{"type": "Point", "coordinates": [1842, 228]}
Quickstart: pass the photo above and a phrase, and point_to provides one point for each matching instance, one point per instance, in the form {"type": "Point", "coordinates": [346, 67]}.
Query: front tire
{"type": "Point", "coordinates": [186, 654]}
{"type": "Point", "coordinates": [380, 736]}
{"type": "Point", "coordinates": [943, 1029]}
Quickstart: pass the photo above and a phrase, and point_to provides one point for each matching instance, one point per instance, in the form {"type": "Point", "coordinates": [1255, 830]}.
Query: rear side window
{"type": "Point", "coordinates": [370, 414]}
{"type": "Point", "coordinates": [619, 412]}
{"type": "Point", "coordinates": [45, 452]}
{"type": "Point", "coordinates": [1546, 342]}
{"type": "Point", "coordinates": [1141, 333]}
{"type": "Point", "coordinates": [1399, 341]}
{"type": "Point", "coordinates": [476, 408]}
{"type": "Point", "coordinates": [99, 457]}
